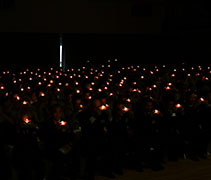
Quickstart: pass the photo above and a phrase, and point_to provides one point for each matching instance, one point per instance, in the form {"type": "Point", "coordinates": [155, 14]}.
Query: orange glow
{"type": "Point", "coordinates": [154, 86]}
{"type": "Point", "coordinates": [156, 111]}
{"type": "Point", "coordinates": [111, 94]}
{"type": "Point", "coordinates": [202, 99]}
{"type": "Point", "coordinates": [24, 102]}
{"type": "Point", "coordinates": [42, 94]}
{"type": "Point", "coordinates": [2, 87]}
{"type": "Point", "coordinates": [81, 106]}
{"type": "Point", "coordinates": [103, 107]}
{"type": "Point", "coordinates": [128, 100]}
{"type": "Point", "coordinates": [125, 109]}
{"type": "Point", "coordinates": [77, 91]}
{"type": "Point", "coordinates": [167, 88]}
{"type": "Point", "coordinates": [63, 123]}
{"type": "Point", "coordinates": [178, 106]}
{"type": "Point", "coordinates": [26, 119]}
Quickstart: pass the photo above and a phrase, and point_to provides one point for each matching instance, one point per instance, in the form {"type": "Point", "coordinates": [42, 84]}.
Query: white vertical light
{"type": "Point", "coordinates": [60, 61]}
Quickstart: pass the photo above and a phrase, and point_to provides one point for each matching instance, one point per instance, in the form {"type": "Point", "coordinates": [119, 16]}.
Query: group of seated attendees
{"type": "Point", "coordinates": [99, 120]}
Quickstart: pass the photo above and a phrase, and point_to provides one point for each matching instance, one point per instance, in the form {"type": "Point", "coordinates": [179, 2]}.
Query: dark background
{"type": "Point", "coordinates": [146, 31]}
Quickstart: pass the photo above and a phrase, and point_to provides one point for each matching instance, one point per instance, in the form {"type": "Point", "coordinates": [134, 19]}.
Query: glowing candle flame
{"type": "Point", "coordinates": [168, 88]}
{"type": "Point", "coordinates": [156, 111]}
{"type": "Point", "coordinates": [178, 106]}
{"type": "Point", "coordinates": [25, 102]}
{"type": "Point", "coordinates": [125, 109]}
{"type": "Point", "coordinates": [202, 99]}
{"type": "Point", "coordinates": [103, 107]}
{"type": "Point", "coordinates": [63, 123]}
{"type": "Point", "coordinates": [42, 94]}
{"type": "Point", "coordinates": [27, 121]}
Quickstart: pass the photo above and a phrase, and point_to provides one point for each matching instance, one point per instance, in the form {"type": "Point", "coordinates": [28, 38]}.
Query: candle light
{"type": "Point", "coordinates": [125, 109]}
{"type": "Point", "coordinates": [178, 106]}
{"type": "Point", "coordinates": [42, 94]}
{"type": "Point", "coordinates": [202, 99]}
{"type": "Point", "coordinates": [2, 87]}
{"type": "Point", "coordinates": [111, 94]}
{"type": "Point", "coordinates": [156, 111]}
{"type": "Point", "coordinates": [103, 107]}
{"type": "Point", "coordinates": [26, 120]}
{"type": "Point", "coordinates": [128, 100]}
{"type": "Point", "coordinates": [77, 91]}
{"type": "Point", "coordinates": [167, 88]}
{"type": "Point", "coordinates": [63, 123]}
{"type": "Point", "coordinates": [24, 102]}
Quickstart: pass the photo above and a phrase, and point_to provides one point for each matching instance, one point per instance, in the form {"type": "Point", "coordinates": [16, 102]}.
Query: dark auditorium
{"type": "Point", "coordinates": [105, 89]}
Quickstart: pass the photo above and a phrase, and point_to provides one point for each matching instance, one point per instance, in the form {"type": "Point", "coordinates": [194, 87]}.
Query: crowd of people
{"type": "Point", "coordinates": [90, 120]}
